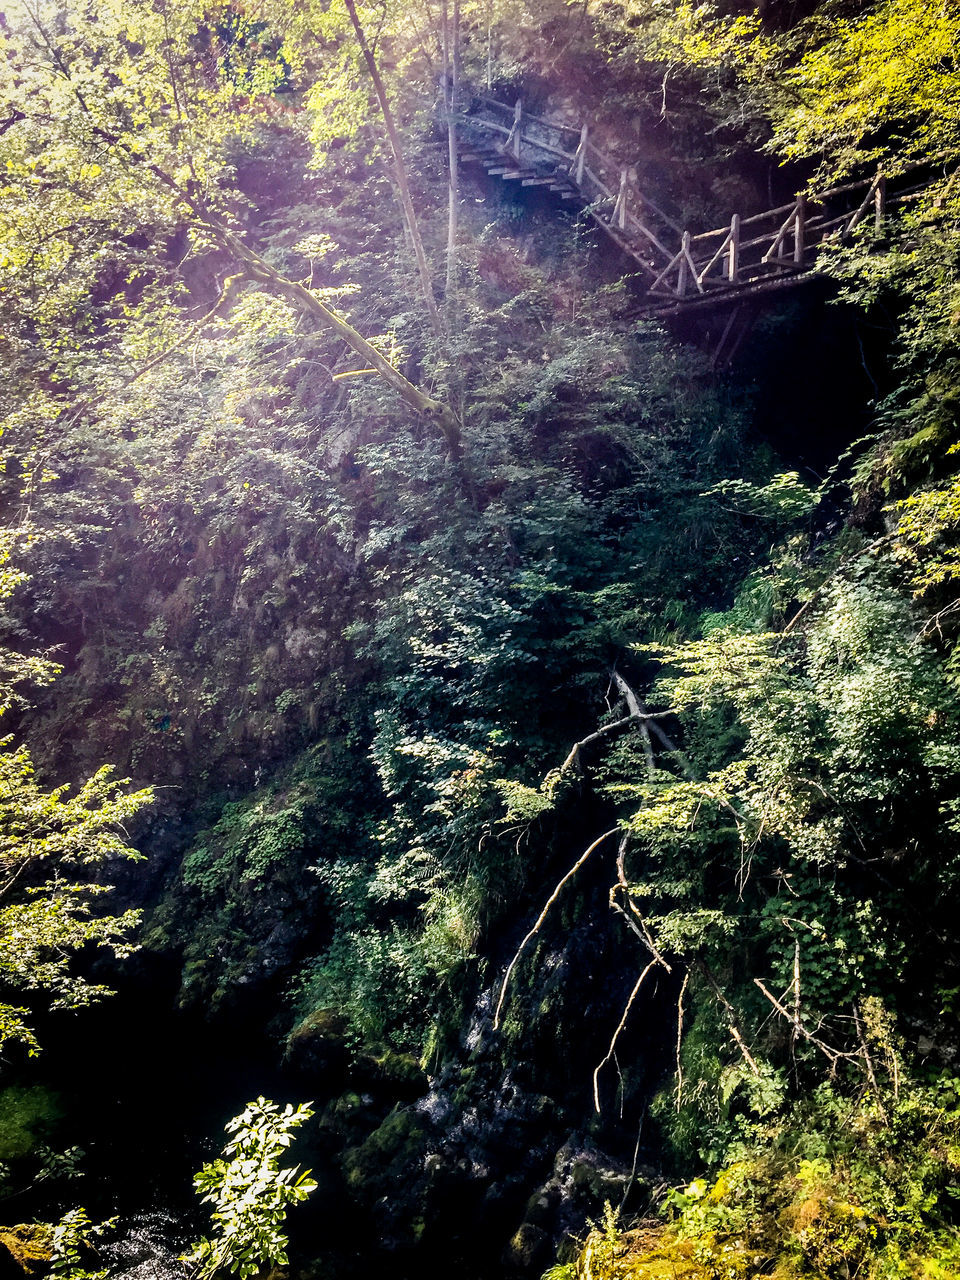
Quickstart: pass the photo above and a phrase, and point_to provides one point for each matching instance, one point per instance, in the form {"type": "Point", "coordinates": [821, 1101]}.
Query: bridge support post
{"type": "Point", "coordinates": [619, 216]}
{"type": "Point", "coordinates": [580, 159]}
{"type": "Point", "coordinates": [684, 273]}
{"type": "Point", "coordinates": [799, 222]}
{"type": "Point", "coordinates": [879, 202]}
{"type": "Point", "coordinates": [733, 257]}
{"type": "Point", "coordinates": [515, 137]}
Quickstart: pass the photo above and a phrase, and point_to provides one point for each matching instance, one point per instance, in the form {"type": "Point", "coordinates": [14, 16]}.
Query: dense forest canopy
{"type": "Point", "coordinates": [544, 730]}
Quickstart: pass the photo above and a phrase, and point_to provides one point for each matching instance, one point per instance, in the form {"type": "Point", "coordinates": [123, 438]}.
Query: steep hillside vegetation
{"type": "Point", "coordinates": [548, 738]}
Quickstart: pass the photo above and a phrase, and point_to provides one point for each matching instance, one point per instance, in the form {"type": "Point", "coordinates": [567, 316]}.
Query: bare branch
{"type": "Point", "coordinates": [639, 711]}
{"type": "Point", "coordinates": [543, 915]}
{"type": "Point", "coordinates": [635, 717]}
{"type": "Point", "coordinates": [733, 1023]}
{"type": "Point", "coordinates": [574, 756]}
{"type": "Point", "coordinates": [864, 1048]}
{"type": "Point", "coordinates": [13, 118]}
{"type": "Point", "coordinates": [399, 168]}
{"type": "Point", "coordinates": [635, 921]}
{"type": "Point", "coordinates": [678, 1092]}
{"type": "Point", "coordinates": [832, 1055]}
{"type": "Point", "coordinates": [616, 1035]}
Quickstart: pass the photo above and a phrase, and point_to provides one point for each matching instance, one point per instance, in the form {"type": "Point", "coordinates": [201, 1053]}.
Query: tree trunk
{"type": "Point", "coordinates": [489, 46]}
{"type": "Point", "coordinates": [400, 170]}
{"type": "Point", "coordinates": [451, 84]}
{"type": "Point", "coordinates": [305, 302]}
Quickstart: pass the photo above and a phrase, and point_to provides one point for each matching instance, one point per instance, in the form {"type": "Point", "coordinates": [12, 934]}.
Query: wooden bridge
{"type": "Point", "coordinates": [681, 270]}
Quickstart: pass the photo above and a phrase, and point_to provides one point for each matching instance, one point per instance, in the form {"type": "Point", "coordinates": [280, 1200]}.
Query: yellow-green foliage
{"type": "Point", "coordinates": [928, 522]}
{"type": "Point", "coordinates": [841, 1190]}
{"type": "Point", "coordinates": [54, 835]}
{"type": "Point", "coordinates": [832, 86]}
{"type": "Point", "coordinates": [894, 65]}
{"type": "Point", "coordinates": [646, 1253]}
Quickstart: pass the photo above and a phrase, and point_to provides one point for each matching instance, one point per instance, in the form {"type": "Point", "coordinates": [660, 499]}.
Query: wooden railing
{"type": "Point", "coordinates": [607, 188]}
{"type": "Point", "coordinates": [781, 241]}
{"type": "Point", "coordinates": [778, 245]}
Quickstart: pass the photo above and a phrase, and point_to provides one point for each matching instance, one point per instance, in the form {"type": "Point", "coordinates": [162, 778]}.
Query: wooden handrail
{"type": "Point", "coordinates": [598, 182]}
{"type": "Point", "coordinates": [554, 151]}
{"type": "Point", "coordinates": [552, 124]}
{"type": "Point", "coordinates": [784, 248]}
{"type": "Point", "coordinates": [487, 124]}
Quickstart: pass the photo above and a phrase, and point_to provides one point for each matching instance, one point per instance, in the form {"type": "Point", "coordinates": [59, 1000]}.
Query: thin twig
{"type": "Point", "coordinates": [227, 297]}
{"type": "Point", "coordinates": [633, 1168]}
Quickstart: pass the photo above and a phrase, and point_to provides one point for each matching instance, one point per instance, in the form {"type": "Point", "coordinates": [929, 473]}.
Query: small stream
{"type": "Point", "coordinates": [146, 1090]}
{"type": "Point", "coordinates": [148, 1247]}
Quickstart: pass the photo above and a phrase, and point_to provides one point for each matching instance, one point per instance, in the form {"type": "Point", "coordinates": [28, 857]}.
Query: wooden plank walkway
{"type": "Point", "coordinates": [747, 257]}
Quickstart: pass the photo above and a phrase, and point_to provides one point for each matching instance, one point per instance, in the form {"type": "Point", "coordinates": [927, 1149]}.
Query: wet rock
{"type": "Point", "coordinates": [583, 1180]}
{"type": "Point", "coordinates": [500, 1160]}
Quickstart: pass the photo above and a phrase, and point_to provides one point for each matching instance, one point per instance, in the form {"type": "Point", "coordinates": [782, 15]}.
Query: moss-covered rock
{"type": "Point", "coordinates": [26, 1115]}
{"type": "Point", "coordinates": [317, 1045]}
{"type": "Point", "coordinates": [596, 1182]}
{"type": "Point", "coordinates": [380, 1164]}
{"type": "Point", "coordinates": [529, 1250]}
{"type": "Point", "coordinates": [25, 1250]}
{"type": "Point", "coordinates": [384, 1070]}
{"type": "Point", "coordinates": [646, 1253]}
